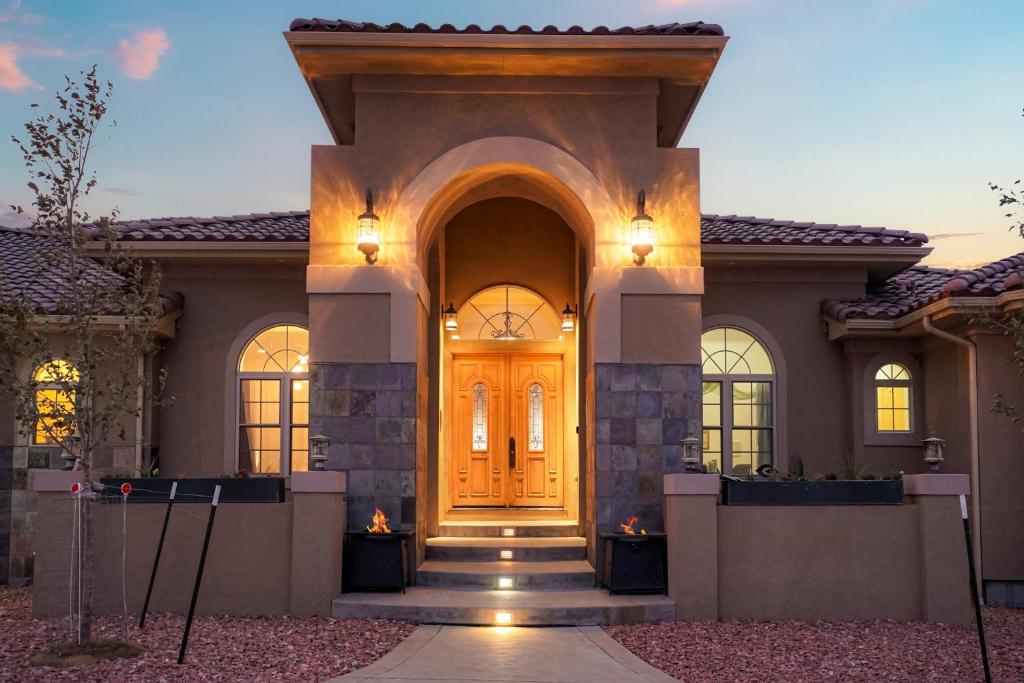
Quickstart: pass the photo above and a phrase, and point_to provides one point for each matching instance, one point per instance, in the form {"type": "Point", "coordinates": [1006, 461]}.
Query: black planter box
{"type": "Point", "coordinates": [199, 489]}
{"type": "Point", "coordinates": [375, 562]}
{"type": "Point", "coordinates": [635, 564]}
{"type": "Point", "coordinates": [822, 492]}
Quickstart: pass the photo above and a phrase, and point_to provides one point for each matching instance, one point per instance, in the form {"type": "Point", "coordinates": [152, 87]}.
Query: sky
{"type": "Point", "coordinates": [875, 112]}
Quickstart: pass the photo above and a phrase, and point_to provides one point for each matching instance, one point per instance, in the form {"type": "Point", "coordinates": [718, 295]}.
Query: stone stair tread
{"type": "Point", "coordinates": [439, 597]}
{"type": "Point", "coordinates": [532, 522]}
{"type": "Point", "coordinates": [510, 567]}
{"type": "Point", "coordinates": [516, 542]}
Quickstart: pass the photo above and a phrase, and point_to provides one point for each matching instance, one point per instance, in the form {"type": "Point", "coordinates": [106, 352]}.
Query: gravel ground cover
{"type": "Point", "coordinates": [813, 651]}
{"type": "Point", "coordinates": [220, 648]}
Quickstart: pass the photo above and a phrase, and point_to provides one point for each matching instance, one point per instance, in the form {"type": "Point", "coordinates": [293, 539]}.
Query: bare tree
{"type": "Point", "coordinates": [1011, 198]}
{"type": "Point", "coordinates": [72, 335]}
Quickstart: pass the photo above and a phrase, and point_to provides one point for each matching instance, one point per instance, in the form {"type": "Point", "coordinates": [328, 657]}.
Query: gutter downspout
{"type": "Point", "coordinates": [972, 389]}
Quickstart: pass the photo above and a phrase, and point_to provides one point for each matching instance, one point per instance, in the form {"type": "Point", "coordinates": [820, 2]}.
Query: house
{"type": "Point", "coordinates": [506, 310]}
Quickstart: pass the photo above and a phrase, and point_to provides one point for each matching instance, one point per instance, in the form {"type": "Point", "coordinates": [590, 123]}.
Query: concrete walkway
{"type": "Point", "coordinates": [471, 654]}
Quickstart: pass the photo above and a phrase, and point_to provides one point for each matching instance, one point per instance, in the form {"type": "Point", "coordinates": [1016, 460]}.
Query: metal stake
{"type": "Point", "coordinates": [974, 591]}
{"type": "Point", "coordinates": [199, 575]}
{"type": "Point", "coordinates": [156, 560]}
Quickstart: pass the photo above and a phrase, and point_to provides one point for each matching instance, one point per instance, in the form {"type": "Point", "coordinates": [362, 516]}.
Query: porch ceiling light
{"type": "Point", "coordinates": [642, 231]}
{"type": "Point", "coordinates": [451, 321]}
{"type": "Point", "coordinates": [368, 231]}
{"type": "Point", "coordinates": [568, 318]}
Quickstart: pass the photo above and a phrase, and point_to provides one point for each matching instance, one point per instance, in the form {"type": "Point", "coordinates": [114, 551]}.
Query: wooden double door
{"type": "Point", "coordinates": [506, 443]}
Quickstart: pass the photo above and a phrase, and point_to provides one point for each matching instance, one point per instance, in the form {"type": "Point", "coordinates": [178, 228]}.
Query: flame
{"type": "Point", "coordinates": [627, 528]}
{"type": "Point", "coordinates": [380, 523]}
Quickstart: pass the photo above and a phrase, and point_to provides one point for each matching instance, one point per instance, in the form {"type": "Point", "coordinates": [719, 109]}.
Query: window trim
{"type": "Point", "coordinates": [869, 402]}
{"type": "Point", "coordinates": [232, 383]}
{"type": "Point", "coordinates": [780, 455]}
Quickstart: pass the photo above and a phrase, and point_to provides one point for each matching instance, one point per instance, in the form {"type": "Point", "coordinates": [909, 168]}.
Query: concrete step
{"type": "Point", "coordinates": [519, 549]}
{"type": "Point", "coordinates": [540, 529]}
{"type": "Point", "coordinates": [517, 576]}
{"type": "Point", "coordinates": [510, 608]}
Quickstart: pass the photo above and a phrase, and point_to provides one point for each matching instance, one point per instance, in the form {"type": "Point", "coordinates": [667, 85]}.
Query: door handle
{"type": "Point", "coordinates": [511, 452]}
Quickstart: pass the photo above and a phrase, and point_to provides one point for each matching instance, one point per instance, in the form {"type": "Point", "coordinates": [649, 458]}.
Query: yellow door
{"type": "Point", "coordinates": [506, 441]}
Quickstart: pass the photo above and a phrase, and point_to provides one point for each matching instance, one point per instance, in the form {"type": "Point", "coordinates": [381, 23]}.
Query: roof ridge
{"type": "Point", "coordinates": [692, 28]}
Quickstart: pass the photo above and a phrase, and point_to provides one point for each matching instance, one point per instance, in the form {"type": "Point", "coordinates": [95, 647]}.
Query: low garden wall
{"type": "Point", "coordinates": [264, 558]}
{"type": "Point", "coordinates": [905, 562]}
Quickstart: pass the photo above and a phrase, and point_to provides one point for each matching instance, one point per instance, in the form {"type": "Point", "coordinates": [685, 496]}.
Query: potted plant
{"type": "Point", "coordinates": [770, 487]}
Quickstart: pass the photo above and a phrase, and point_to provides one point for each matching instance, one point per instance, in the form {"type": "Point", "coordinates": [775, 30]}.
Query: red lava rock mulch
{"type": "Point", "coordinates": [220, 648]}
{"type": "Point", "coordinates": [809, 651]}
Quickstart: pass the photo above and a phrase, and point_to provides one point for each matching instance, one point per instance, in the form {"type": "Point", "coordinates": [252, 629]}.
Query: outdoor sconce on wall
{"type": "Point", "coordinates": [368, 231]}
{"type": "Point", "coordinates": [568, 318]}
{"type": "Point", "coordinates": [642, 231]}
{"type": "Point", "coordinates": [450, 315]}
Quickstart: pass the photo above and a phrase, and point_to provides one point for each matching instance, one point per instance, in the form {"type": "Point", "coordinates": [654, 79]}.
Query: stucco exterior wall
{"type": "Point", "coordinates": [221, 300]}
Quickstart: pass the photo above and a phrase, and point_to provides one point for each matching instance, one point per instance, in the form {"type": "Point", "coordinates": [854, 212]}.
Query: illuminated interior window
{"type": "Point", "coordinates": [273, 390]}
{"type": "Point", "coordinates": [738, 411]}
{"type": "Point", "coordinates": [479, 417]}
{"type": "Point", "coordinates": [508, 313]}
{"type": "Point", "coordinates": [55, 401]}
{"type": "Point", "coordinates": [892, 398]}
{"type": "Point", "coordinates": [536, 399]}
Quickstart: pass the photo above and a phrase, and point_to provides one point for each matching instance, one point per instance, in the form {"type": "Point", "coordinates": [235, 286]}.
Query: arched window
{"type": "Point", "coordinates": [893, 383]}
{"type": "Point", "coordinates": [273, 402]}
{"type": "Point", "coordinates": [55, 401]}
{"type": "Point", "coordinates": [508, 313]}
{"type": "Point", "coordinates": [738, 410]}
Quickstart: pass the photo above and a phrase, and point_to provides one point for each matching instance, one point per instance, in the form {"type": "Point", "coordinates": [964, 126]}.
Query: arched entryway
{"type": "Point", "coordinates": [506, 374]}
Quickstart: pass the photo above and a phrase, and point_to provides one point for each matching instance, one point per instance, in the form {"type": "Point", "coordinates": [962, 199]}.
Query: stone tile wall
{"type": "Point", "coordinates": [368, 410]}
{"type": "Point", "coordinates": [642, 413]}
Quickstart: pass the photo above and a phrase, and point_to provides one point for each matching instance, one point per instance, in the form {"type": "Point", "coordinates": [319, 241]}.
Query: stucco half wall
{"type": "Point", "coordinates": [904, 562]}
{"type": "Point", "coordinates": [264, 558]}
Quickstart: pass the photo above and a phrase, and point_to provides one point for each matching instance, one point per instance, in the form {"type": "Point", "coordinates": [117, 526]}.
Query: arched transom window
{"type": "Point", "coordinates": [738, 411]}
{"type": "Point", "coordinates": [508, 313]}
{"type": "Point", "coordinates": [55, 401]}
{"type": "Point", "coordinates": [892, 398]}
{"type": "Point", "coordinates": [273, 402]}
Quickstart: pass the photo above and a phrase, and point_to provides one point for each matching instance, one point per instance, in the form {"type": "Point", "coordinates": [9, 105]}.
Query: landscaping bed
{"type": "Point", "coordinates": [814, 651]}
{"type": "Point", "coordinates": [220, 648]}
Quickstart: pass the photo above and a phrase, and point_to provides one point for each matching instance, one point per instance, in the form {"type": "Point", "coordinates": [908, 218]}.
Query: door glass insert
{"type": "Point", "coordinates": [479, 417]}
{"type": "Point", "coordinates": [536, 399]}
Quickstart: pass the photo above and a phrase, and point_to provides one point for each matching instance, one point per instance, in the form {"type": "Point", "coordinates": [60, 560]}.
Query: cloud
{"type": "Point", "coordinates": [140, 55]}
{"type": "Point", "coordinates": [953, 235]}
{"type": "Point", "coordinates": [13, 219]}
{"type": "Point", "coordinates": [123, 191]}
{"type": "Point", "coordinates": [11, 76]}
{"type": "Point", "coordinates": [13, 15]}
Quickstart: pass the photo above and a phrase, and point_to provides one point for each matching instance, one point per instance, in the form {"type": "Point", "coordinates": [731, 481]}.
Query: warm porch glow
{"type": "Point", "coordinates": [506, 583]}
{"type": "Point", "coordinates": [503, 618]}
{"type": "Point", "coordinates": [642, 231]}
{"type": "Point", "coordinates": [368, 231]}
{"type": "Point", "coordinates": [568, 318]}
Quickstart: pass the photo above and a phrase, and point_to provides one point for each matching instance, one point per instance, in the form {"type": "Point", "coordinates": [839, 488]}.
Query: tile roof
{"type": "Point", "coordinates": [694, 28]}
{"type": "Point", "coordinates": [278, 226]}
{"type": "Point", "coordinates": [22, 276]}
{"type": "Point", "coordinates": [717, 229]}
{"type": "Point", "coordinates": [293, 226]}
{"type": "Point", "coordinates": [919, 286]}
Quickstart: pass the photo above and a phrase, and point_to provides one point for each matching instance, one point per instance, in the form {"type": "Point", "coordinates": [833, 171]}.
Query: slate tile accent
{"type": "Point", "coordinates": [368, 410]}
{"type": "Point", "coordinates": [642, 412]}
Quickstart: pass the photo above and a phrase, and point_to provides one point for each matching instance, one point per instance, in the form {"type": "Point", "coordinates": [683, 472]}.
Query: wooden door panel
{"type": "Point", "coordinates": [536, 421]}
{"type": "Point", "coordinates": [478, 469]}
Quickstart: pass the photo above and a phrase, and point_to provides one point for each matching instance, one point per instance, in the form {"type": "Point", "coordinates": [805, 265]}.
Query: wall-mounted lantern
{"type": "Point", "coordinates": [368, 231]}
{"type": "Point", "coordinates": [451, 319]}
{"type": "Point", "coordinates": [691, 454]}
{"type": "Point", "coordinates": [933, 451]}
{"type": "Point", "coordinates": [568, 318]}
{"type": "Point", "coordinates": [318, 451]}
{"type": "Point", "coordinates": [642, 231]}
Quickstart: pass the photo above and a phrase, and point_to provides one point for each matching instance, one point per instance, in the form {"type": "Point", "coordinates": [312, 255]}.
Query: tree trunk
{"type": "Point", "coordinates": [86, 586]}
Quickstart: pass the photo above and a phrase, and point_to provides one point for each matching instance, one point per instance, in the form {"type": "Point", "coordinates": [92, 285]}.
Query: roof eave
{"type": "Point", "coordinates": [880, 261]}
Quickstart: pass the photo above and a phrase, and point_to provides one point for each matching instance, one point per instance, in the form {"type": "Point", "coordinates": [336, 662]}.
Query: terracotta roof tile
{"type": "Point", "coordinates": [717, 229]}
{"type": "Point", "coordinates": [919, 286]}
{"type": "Point", "coordinates": [694, 28]}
